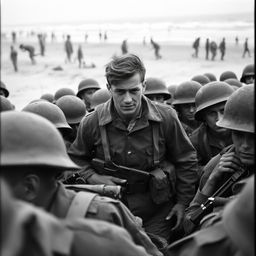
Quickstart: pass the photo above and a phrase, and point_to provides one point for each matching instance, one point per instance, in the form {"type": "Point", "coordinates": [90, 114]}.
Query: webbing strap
{"type": "Point", "coordinates": [156, 143]}
{"type": "Point", "coordinates": [80, 205]}
{"type": "Point", "coordinates": [105, 144]}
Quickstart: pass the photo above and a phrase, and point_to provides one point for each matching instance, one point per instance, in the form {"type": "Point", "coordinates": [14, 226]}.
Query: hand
{"type": "Point", "coordinates": [221, 201]}
{"type": "Point", "coordinates": [178, 211]}
{"type": "Point", "coordinates": [104, 179]}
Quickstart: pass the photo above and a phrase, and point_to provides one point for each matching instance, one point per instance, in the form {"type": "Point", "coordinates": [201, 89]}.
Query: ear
{"type": "Point", "coordinates": [143, 86]}
{"type": "Point", "coordinates": [108, 86]}
{"type": "Point", "coordinates": [31, 184]}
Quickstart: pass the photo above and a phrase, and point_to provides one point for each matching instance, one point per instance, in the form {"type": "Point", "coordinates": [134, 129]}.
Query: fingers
{"type": "Point", "coordinates": [169, 216]}
{"type": "Point", "coordinates": [118, 181]}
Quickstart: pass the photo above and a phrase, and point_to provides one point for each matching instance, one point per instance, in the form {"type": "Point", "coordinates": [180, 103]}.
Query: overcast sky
{"type": "Point", "coordinates": [48, 11]}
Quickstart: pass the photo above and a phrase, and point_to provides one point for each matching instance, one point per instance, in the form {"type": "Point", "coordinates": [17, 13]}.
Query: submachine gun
{"type": "Point", "coordinates": [207, 206]}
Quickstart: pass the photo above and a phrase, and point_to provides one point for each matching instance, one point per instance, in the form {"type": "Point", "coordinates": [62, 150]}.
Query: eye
{"type": "Point", "coordinates": [134, 91]}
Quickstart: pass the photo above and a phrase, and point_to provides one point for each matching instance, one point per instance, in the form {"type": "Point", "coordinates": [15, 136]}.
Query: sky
{"type": "Point", "coordinates": [18, 12]}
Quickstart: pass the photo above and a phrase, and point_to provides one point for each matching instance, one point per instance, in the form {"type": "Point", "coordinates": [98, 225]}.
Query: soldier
{"type": "Point", "coordinates": [171, 89]}
{"type": "Point", "coordinates": [246, 48]}
{"type": "Point", "coordinates": [233, 235]}
{"type": "Point", "coordinates": [124, 47]}
{"type": "Point", "coordinates": [226, 75]}
{"type": "Point", "coordinates": [213, 49]}
{"type": "Point", "coordinates": [31, 50]}
{"type": "Point", "coordinates": [14, 58]}
{"type": "Point", "coordinates": [74, 110]}
{"type": "Point", "coordinates": [62, 92]}
{"type": "Point", "coordinates": [207, 48]}
{"type": "Point", "coordinates": [201, 79]}
{"type": "Point", "coordinates": [80, 56]}
{"type": "Point", "coordinates": [68, 49]}
{"type": "Point", "coordinates": [86, 89]}
{"type": "Point", "coordinates": [248, 74]}
{"type": "Point", "coordinates": [132, 131]}
{"type": "Point", "coordinates": [211, 76]}
{"type": "Point", "coordinates": [156, 47]}
{"type": "Point", "coordinates": [99, 97]}
{"type": "Point", "coordinates": [209, 139]}
{"type": "Point", "coordinates": [29, 230]}
{"type": "Point", "coordinates": [3, 90]}
{"type": "Point", "coordinates": [196, 47]}
{"type": "Point", "coordinates": [222, 48]}
{"type": "Point", "coordinates": [156, 90]}
{"type": "Point", "coordinates": [33, 155]}
{"type": "Point", "coordinates": [233, 82]}
{"type": "Point", "coordinates": [238, 118]}
{"type": "Point", "coordinates": [184, 104]}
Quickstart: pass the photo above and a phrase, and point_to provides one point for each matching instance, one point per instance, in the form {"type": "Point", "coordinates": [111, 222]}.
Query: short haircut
{"type": "Point", "coordinates": [124, 67]}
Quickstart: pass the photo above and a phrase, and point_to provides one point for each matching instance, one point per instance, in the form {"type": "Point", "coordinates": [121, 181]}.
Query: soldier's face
{"type": "Point", "coordinates": [212, 115]}
{"type": "Point", "coordinates": [249, 79]}
{"type": "Point", "coordinates": [156, 97]}
{"type": "Point", "coordinates": [127, 96]}
{"type": "Point", "coordinates": [187, 111]}
{"type": "Point", "coordinates": [244, 146]}
{"type": "Point", "coordinates": [86, 95]}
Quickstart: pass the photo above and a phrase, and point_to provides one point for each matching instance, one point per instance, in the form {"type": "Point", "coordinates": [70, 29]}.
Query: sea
{"type": "Point", "coordinates": [177, 30]}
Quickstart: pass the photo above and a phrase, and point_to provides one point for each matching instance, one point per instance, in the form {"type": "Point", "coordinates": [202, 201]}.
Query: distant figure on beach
{"type": "Point", "coordinates": [236, 40]}
{"type": "Point", "coordinates": [246, 48]}
{"type": "Point", "coordinates": [196, 47]}
{"type": "Point", "coordinates": [156, 47]}
{"type": "Point", "coordinates": [124, 47]}
{"type": "Point", "coordinates": [14, 37]}
{"type": "Point", "coordinates": [31, 51]}
{"type": "Point", "coordinates": [207, 48]}
{"type": "Point", "coordinates": [53, 37]}
{"type": "Point", "coordinates": [100, 36]}
{"type": "Point", "coordinates": [144, 41]}
{"type": "Point", "coordinates": [14, 58]}
{"type": "Point", "coordinates": [80, 56]}
{"type": "Point", "coordinates": [222, 48]}
{"type": "Point", "coordinates": [105, 36]}
{"type": "Point", "coordinates": [68, 48]}
{"type": "Point", "coordinates": [213, 49]}
{"type": "Point", "coordinates": [41, 40]}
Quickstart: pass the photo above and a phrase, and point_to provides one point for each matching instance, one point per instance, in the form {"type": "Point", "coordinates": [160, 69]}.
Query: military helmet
{"type": "Point", "coordinates": [49, 111]}
{"type": "Point", "coordinates": [239, 219]}
{"type": "Point", "coordinates": [5, 104]}
{"type": "Point", "coordinates": [100, 96]}
{"type": "Point", "coordinates": [201, 79]}
{"type": "Point", "coordinates": [211, 94]}
{"type": "Point", "coordinates": [47, 96]}
{"type": "Point", "coordinates": [239, 110]}
{"type": "Point", "coordinates": [185, 92]}
{"type": "Point", "coordinates": [226, 75]}
{"type": "Point", "coordinates": [211, 76]}
{"type": "Point", "coordinates": [3, 88]}
{"type": "Point", "coordinates": [73, 108]}
{"type": "Point", "coordinates": [247, 71]}
{"type": "Point", "coordinates": [234, 82]}
{"type": "Point", "coordinates": [62, 92]}
{"type": "Point", "coordinates": [171, 89]}
{"type": "Point", "coordinates": [156, 86]}
{"type": "Point", "coordinates": [88, 83]}
{"type": "Point", "coordinates": [28, 139]}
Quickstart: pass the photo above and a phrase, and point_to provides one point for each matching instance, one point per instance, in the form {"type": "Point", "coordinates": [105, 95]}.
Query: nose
{"type": "Point", "coordinates": [127, 97]}
{"type": "Point", "coordinates": [246, 141]}
{"type": "Point", "coordinates": [219, 116]}
{"type": "Point", "coordinates": [192, 109]}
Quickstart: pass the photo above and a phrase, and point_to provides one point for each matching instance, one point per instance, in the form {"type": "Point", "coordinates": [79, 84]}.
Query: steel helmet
{"type": "Point", "coordinates": [211, 94]}
{"type": "Point", "coordinates": [99, 97]}
{"type": "Point", "coordinates": [5, 104]}
{"type": "Point", "coordinates": [226, 75]}
{"type": "Point", "coordinates": [211, 76]}
{"type": "Point", "coordinates": [247, 71]}
{"type": "Point", "coordinates": [156, 86]}
{"type": "Point", "coordinates": [239, 110]}
{"type": "Point", "coordinates": [62, 92]}
{"type": "Point", "coordinates": [234, 82]}
{"type": "Point", "coordinates": [47, 96]}
{"type": "Point", "coordinates": [72, 107]}
{"type": "Point", "coordinates": [185, 92]}
{"type": "Point", "coordinates": [28, 139]}
{"type": "Point", "coordinates": [201, 79]}
{"type": "Point", "coordinates": [239, 219]}
{"type": "Point", "coordinates": [3, 88]}
{"type": "Point", "coordinates": [88, 83]}
{"type": "Point", "coordinates": [49, 111]}
{"type": "Point", "coordinates": [171, 89]}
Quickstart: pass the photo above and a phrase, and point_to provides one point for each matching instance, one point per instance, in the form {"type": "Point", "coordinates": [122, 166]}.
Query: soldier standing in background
{"type": "Point", "coordinates": [156, 47]}
{"type": "Point", "coordinates": [222, 48]}
{"type": "Point", "coordinates": [196, 47]}
{"type": "Point", "coordinates": [14, 58]}
{"type": "Point", "coordinates": [68, 49]}
{"type": "Point", "coordinates": [124, 47]}
{"type": "Point", "coordinates": [246, 48]}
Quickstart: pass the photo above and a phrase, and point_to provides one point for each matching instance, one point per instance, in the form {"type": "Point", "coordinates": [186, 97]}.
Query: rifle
{"type": "Point", "coordinates": [103, 190]}
{"type": "Point", "coordinates": [207, 206]}
{"type": "Point", "coordinates": [137, 180]}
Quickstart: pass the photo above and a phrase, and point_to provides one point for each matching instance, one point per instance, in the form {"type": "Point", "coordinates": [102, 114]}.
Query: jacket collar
{"type": "Point", "coordinates": [105, 111]}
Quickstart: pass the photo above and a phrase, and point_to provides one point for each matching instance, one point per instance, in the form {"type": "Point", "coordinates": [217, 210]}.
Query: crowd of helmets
{"type": "Point", "coordinates": [65, 109]}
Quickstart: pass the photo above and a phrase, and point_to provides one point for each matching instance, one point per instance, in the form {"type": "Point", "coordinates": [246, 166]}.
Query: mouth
{"type": "Point", "coordinates": [130, 107]}
{"type": "Point", "coordinates": [246, 155]}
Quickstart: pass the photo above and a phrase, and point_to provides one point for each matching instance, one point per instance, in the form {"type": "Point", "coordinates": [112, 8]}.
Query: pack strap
{"type": "Point", "coordinates": [80, 205]}
{"type": "Point", "coordinates": [105, 143]}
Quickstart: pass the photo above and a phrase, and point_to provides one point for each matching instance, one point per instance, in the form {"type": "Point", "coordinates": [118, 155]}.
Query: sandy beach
{"type": "Point", "coordinates": [175, 67]}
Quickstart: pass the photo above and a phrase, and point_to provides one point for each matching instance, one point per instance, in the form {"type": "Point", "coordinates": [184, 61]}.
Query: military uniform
{"type": "Point", "coordinates": [103, 208]}
{"type": "Point", "coordinates": [135, 148]}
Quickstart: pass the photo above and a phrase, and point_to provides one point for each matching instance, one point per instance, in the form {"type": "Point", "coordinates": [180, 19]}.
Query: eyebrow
{"type": "Point", "coordinates": [127, 90]}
